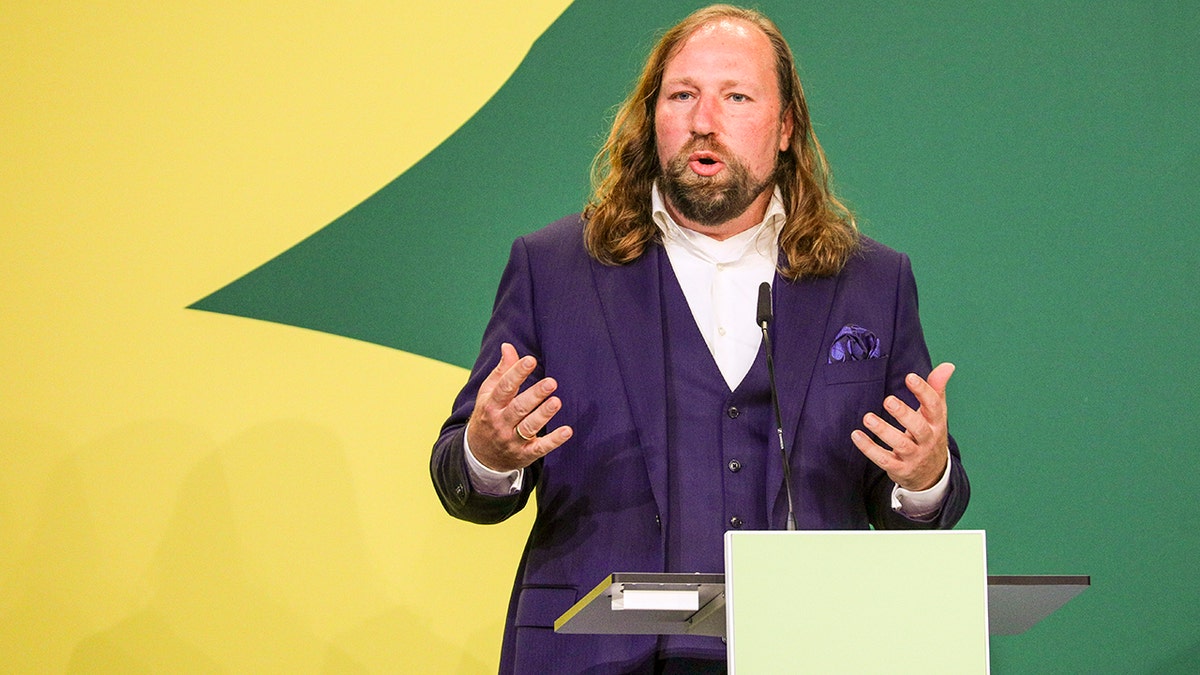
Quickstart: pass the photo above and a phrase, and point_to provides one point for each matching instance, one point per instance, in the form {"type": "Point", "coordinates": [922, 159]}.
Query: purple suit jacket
{"type": "Point", "coordinates": [601, 497]}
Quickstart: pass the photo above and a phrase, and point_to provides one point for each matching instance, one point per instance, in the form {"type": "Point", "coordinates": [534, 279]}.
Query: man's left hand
{"type": "Point", "coordinates": [920, 448]}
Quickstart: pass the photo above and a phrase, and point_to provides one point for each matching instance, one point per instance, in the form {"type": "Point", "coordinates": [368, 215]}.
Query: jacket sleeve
{"type": "Point", "coordinates": [910, 355]}
{"type": "Point", "coordinates": [512, 321]}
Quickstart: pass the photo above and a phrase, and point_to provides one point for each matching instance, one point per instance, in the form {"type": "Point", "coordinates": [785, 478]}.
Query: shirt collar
{"type": "Point", "coordinates": [764, 236]}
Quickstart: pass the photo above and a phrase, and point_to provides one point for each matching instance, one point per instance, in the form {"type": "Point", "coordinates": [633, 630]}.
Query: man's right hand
{"type": "Point", "coordinates": [504, 425]}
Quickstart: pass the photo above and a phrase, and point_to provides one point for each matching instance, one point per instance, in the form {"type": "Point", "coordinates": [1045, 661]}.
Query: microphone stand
{"type": "Point", "coordinates": [764, 319]}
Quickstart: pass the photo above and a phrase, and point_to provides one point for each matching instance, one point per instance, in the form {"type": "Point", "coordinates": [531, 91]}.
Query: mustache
{"type": "Point", "coordinates": [703, 143]}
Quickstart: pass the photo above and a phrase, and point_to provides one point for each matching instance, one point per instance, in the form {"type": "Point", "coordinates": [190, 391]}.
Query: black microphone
{"type": "Point", "coordinates": [764, 306]}
{"type": "Point", "coordinates": [765, 317]}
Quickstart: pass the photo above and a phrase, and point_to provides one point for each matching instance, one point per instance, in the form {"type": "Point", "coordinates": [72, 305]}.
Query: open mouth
{"type": "Point", "coordinates": [705, 163]}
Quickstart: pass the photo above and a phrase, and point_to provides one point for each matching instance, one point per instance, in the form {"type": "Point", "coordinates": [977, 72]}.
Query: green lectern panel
{"type": "Point", "coordinates": [857, 602]}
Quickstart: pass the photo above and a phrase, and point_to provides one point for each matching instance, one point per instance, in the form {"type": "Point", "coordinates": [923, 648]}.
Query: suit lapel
{"type": "Point", "coordinates": [801, 312]}
{"type": "Point", "coordinates": [630, 296]}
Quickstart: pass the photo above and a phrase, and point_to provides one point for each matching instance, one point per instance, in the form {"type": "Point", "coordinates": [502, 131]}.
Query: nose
{"type": "Point", "coordinates": [704, 116]}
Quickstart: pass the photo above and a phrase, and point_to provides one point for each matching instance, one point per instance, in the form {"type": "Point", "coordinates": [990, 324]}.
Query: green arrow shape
{"type": "Point", "coordinates": [415, 265]}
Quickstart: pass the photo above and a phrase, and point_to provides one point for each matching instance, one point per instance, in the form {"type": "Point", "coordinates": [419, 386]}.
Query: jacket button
{"type": "Point", "coordinates": [733, 413]}
{"type": "Point", "coordinates": [735, 466]}
{"type": "Point", "coordinates": [460, 490]}
{"type": "Point", "coordinates": [735, 523]}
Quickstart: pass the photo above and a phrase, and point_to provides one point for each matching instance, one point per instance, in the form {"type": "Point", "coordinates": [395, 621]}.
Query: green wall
{"type": "Point", "coordinates": [1038, 161]}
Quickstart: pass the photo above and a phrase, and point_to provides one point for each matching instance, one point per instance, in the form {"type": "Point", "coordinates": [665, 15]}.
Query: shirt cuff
{"type": "Point", "coordinates": [491, 482]}
{"type": "Point", "coordinates": [923, 504]}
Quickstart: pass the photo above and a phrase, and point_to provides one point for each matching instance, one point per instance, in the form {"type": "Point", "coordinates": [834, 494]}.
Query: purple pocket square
{"type": "Point", "coordinates": [853, 343]}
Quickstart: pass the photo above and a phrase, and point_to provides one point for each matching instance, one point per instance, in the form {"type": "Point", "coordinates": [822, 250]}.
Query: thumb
{"type": "Point", "coordinates": [940, 377]}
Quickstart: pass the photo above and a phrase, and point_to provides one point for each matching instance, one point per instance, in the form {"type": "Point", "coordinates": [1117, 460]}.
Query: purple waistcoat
{"type": "Point", "coordinates": [718, 445]}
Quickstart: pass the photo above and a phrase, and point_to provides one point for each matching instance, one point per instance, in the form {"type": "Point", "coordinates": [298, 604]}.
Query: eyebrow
{"type": "Point", "coordinates": [689, 82]}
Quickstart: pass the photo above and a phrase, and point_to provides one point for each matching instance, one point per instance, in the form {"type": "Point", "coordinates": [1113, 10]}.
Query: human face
{"type": "Point", "coordinates": [719, 128]}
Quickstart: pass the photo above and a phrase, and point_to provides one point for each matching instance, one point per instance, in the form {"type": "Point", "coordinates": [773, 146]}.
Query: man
{"type": "Point", "coordinates": [641, 313]}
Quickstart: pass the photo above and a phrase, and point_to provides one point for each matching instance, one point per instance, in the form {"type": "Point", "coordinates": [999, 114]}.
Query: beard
{"type": "Point", "coordinates": [711, 200]}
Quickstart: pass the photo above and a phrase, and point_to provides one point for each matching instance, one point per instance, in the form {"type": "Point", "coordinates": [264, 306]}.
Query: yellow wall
{"type": "Point", "coordinates": [183, 491]}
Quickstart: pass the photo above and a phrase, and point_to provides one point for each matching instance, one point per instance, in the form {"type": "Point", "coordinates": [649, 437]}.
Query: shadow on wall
{"type": "Point", "coordinates": [152, 550]}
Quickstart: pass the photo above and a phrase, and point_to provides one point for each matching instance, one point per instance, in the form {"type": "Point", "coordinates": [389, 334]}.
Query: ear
{"type": "Point", "coordinates": [785, 131]}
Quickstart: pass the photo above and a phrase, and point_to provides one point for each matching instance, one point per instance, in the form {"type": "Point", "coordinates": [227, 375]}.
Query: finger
{"type": "Point", "coordinates": [940, 377]}
{"type": "Point", "coordinates": [551, 441]}
{"type": "Point", "coordinates": [894, 438]}
{"type": "Point", "coordinates": [530, 424]}
{"type": "Point", "coordinates": [913, 422]}
{"type": "Point", "coordinates": [932, 402]}
{"type": "Point", "coordinates": [509, 384]}
{"type": "Point", "coordinates": [508, 356]}
{"type": "Point", "coordinates": [532, 450]}
{"type": "Point", "coordinates": [517, 454]}
{"type": "Point", "coordinates": [525, 403]}
{"type": "Point", "coordinates": [873, 451]}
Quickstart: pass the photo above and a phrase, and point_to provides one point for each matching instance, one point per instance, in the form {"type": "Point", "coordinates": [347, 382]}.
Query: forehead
{"type": "Point", "coordinates": [726, 47]}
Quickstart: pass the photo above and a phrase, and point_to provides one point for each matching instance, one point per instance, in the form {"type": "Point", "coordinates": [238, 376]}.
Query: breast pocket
{"type": "Point", "coordinates": [851, 372]}
{"type": "Point", "coordinates": [850, 390]}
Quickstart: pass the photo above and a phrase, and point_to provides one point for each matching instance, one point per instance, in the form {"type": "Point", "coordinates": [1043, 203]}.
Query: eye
{"type": "Point", "coordinates": [682, 96]}
{"type": "Point", "coordinates": [739, 98]}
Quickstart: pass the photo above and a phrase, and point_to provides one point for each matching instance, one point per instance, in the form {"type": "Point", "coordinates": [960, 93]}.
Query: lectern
{"type": "Point", "coordinates": [834, 602]}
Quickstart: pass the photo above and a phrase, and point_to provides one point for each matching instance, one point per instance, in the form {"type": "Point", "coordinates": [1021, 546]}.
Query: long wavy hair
{"type": "Point", "coordinates": [820, 233]}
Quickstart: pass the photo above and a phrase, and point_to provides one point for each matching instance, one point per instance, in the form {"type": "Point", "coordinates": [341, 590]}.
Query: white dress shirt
{"type": "Point", "coordinates": [720, 279]}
